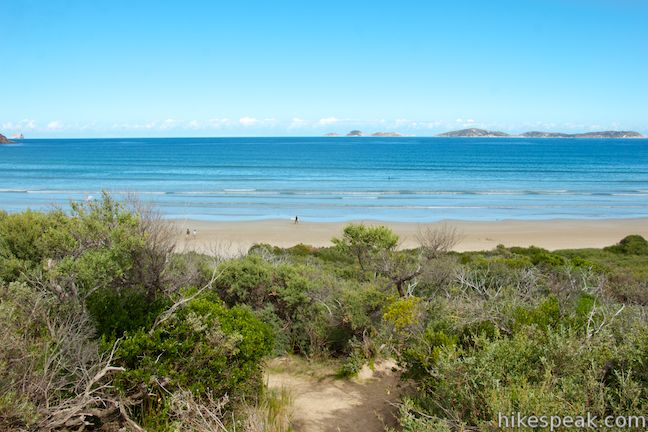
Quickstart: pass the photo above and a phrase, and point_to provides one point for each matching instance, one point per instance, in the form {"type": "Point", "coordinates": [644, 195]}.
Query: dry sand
{"type": "Point", "coordinates": [233, 237]}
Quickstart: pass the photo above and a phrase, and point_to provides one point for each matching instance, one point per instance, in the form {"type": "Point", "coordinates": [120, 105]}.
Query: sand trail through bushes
{"type": "Point", "coordinates": [322, 403]}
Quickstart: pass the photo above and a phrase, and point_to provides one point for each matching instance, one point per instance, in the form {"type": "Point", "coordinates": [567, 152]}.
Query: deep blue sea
{"type": "Point", "coordinates": [333, 179]}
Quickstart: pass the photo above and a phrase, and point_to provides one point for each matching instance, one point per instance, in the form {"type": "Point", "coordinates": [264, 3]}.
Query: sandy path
{"type": "Point", "coordinates": [337, 405]}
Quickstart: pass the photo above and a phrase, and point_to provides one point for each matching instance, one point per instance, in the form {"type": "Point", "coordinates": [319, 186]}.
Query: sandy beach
{"type": "Point", "coordinates": [236, 237]}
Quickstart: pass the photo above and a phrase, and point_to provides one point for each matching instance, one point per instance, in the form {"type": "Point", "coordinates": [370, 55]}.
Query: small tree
{"type": "Point", "coordinates": [403, 268]}
{"type": "Point", "coordinates": [437, 241]}
{"type": "Point", "coordinates": [375, 249]}
{"type": "Point", "coordinates": [365, 242]}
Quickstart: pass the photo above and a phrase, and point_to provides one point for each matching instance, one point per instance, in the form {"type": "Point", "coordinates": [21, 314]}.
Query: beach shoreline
{"type": "Point", "coordinates": [231, 238]}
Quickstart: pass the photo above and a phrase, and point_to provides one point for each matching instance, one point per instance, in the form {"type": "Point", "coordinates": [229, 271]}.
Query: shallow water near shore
{"type": "Point", "coordinates": [336, 179]}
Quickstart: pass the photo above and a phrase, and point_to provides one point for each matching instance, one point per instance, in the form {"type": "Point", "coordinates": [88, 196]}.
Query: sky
{"type": "Point", "coordinates": [118, 68]}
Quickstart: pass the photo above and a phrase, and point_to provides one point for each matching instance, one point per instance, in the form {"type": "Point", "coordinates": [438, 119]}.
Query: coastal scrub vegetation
{"type": "Point", "coordinates": [104, 326]}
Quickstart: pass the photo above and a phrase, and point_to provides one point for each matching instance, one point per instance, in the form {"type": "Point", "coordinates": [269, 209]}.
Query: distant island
{"type": "Point", "coordinates": [4, 140]}
{"type": "Point", "coordinates": [359, 133]}
{"type": "Point", "coordinates": [603, 134]}
{"type": "Point", "coordinates": [386, 134]}
{"type": "Point", "coordinates": [474, 132]}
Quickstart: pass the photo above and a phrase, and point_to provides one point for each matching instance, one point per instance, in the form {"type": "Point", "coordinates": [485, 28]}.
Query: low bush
{"type": "Point", "coordinates": [97, 314]}
{"type": "Point", "coordinates": [630, 245]}
{"type": "Point", "coordinates": [204, 348]}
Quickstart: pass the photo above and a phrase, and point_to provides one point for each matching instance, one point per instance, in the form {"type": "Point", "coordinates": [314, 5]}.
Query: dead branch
{"type": "Point", "coordinates": [436, 241]}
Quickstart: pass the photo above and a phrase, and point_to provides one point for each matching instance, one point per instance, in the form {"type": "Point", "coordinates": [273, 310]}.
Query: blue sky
{"type": "Point", "coordinates": [80, 68]}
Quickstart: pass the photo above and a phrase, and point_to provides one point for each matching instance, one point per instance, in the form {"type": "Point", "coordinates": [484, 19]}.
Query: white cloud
{"type": "Point", "coordinates": [327, 121]}
{"type": "Point", "coordinates": [435, 124]}
{"type": "Point", "coordinates": [54, 125]}
{"type": "Point", "coordinates": [219, 122]}
{"type": "Point", "coordinates": [421, 124]}
{"type": "Point", "coordinates": [465, 123]}
{"type": "Point", "coordinates": [248, 121]}
{"type": "Point", "coordinates": [172, 126]}
{"type": "Point", "coordinates": [401, 122]}
{"type": "Point", "coordinates": [25, 124]}
{"type": "Point", "coordinates": [135, 126]}
{"type": "Point", "coordinates": [168, 124]}
{"type": "Point", "coordinates": [88, 126]}
{"type": "Point", "coordinates": [297, 123]}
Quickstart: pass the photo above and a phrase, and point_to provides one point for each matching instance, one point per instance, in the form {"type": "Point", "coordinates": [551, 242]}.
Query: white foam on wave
{"type": "Point", "coordinates": [629, 194]}
{"type": "Point", "coordinates": [504, 192]}
{"type": "Point", "coordinates": [55, 191]}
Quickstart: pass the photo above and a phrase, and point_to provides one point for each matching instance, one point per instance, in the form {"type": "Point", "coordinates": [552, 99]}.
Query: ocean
{"type": "Point", "coordinates": [336, 179]}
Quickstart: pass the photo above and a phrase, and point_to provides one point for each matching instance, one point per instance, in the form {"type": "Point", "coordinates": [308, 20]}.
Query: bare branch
{"type": "Point", "coordinates": [436, 241]}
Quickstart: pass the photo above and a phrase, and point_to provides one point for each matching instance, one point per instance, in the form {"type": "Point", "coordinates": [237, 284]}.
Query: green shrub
{"type": "Point", "coordinates": [539, 256]}
{"type": "Point", "coordinates": [403, 312]}
{"type": "Point", "coordinates": [204, 348]}
{"type": "Point", "coordinates": [411, 420]}
{"type": "Point", "coordinates": [279, 290]}
{"type": "Point", "coordinates": [363, 241]}
{"type": "Point", "coordinates": [531, 372]}
{"type": "Point", "coordinates": [545, 315]}
{"type": "Point", "coordinates": [301, 250]}
{"type": "Point", "coordinates": [351, 366]}
{"type": "Point", "coordinates": [27, 239]}
{"type": "Point", "coordinates": [248, 280]}
{"type": "Point", "coordinates": [478, 329]}
{"type": "Point", "coordinates": [360, 306]}
{"type": "Point", "coordinates": [117, 312]}
{"type": "Point", "coordinates": [422, 352]}
{"type": "Point", "coordinates": [630, 245]}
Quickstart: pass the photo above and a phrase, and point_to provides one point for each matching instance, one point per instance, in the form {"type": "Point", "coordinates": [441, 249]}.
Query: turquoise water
{"type": "Point", "coordinates": [332, 179]}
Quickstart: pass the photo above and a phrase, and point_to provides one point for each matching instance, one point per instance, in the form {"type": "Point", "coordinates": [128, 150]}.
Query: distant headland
{"type": "Point", "coordinates": [474, 132]}
{"type": "Point", "coordinates": [484, 133]}
{"type": "Point", "coordinates": [4, 140]}
{"type": "Point", "coordinates": [358, 133]}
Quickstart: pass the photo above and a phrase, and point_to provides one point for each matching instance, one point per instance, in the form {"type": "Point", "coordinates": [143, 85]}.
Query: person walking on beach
{"type": "Point", "coordinates": [187, 232]}
{"type": "Point", "coordinates": [296, 219]}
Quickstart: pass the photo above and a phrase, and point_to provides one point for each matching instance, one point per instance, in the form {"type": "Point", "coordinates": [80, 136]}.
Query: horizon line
{"type": "Point", "coordinates": [519, 136]}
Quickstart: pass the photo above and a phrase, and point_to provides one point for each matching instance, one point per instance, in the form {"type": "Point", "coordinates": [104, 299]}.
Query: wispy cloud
{"type": "Point", "coordinates": [248, 121]}
{"type": "Point", "coordinates": [168, 124]}
{"type": "Point", "coordinates": [219, 122]}
{"type": "Point", "coordinates": [327, 121]}
{"type": "Point", "coordinates": [295, 125]}
{"type": "Point", "coordinates": [54, 125]}
{"type": "Point", "coordinates": [26, 124]}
